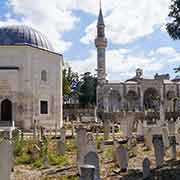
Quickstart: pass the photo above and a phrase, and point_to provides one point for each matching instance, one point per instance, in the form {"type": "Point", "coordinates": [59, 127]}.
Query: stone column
{"type": "Point", "coordinates": [162, 106]}
{"type": "Point", "coordinates": [172, 140]}
{"type": "Point", "coordinates": [13, 114]}
{"type": "Point", "coordinates": [87, 172]}
{"type": "Point", "coordinates": [158, 149]}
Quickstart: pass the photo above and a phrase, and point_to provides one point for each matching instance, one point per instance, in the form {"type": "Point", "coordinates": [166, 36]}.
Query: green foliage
{"type": "Point", "coordinates": [71, 146]}
{"type": "Point", "coordinates": [38, 162]}
{"type": "Point", "coordinates": [24, 159]}
{"type": "Point", "coordinates": [55, 159]}
{"type": "Point", "coordinates": [173, 26]}
{"type": "Point", "coordinates": [174, 20]}
{"type": "Point", "coordinates": [18, 147]}
{"type": "Point", "coordinates": [99, 139]}
{"type": "Point", "coordinates": [108, 154]}
{"type": "Point", "coordinates": [70, 81]}
{"type": "Point", "coordinates": [87, 89]}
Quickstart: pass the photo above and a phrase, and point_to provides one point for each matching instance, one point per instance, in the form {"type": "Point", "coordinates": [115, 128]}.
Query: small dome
{"type": "Point", "coordinates": [23, 35]}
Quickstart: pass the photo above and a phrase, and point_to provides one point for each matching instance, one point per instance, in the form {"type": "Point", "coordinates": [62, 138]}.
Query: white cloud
{"type": "Point", "coordinates": [128, 20]}
{"type": "Point", "coordinates": [120, 65]}
{"type": "Point", "coordinates": [52, 18]}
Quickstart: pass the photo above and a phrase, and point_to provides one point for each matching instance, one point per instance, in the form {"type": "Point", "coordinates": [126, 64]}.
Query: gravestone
{"type": "Point", "coordinates": [172, 140]}
{"type": "Point", "coordinates": [148, 137]}
{"type": "Point", "coordinates": [63, 134]}
{"type": "Point", "coordinates": [158, 149]}
{"type": "Point", "coordinates": [165, 137]}
{"type": "Point", "coordinates": [107, 129]}
{"type": "Point", "coordinates": [5, 160]}
{"type": "Point", "coordinates": [171, 127]}
{"type": "Point", "coordinates": [61, 149]}
{"type": "Point", "coordinates": [146, 169]}
{"type": "Point", "coordinates": [113, 131]}
{"type": "Point", "coordinates": [121, 156]}
{"type": "Point", "coordinates": [178, 135]}
{"type": "Point", "coordinates": [92, 158]}
{"type": "Point", "coordinates": [81, 145]}
{"type": "Point", "coordinates": [87, 172]}
{"type": "Point", "coordinates": [140, 130]}
{"type": "Point", "coordinates": [90, 144]}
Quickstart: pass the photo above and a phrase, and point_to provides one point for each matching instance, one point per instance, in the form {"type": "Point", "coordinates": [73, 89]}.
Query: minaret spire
{"type": "Point", "coordinates": [100, 18]}
{"type": "Point", "coordinates": [101, 44]}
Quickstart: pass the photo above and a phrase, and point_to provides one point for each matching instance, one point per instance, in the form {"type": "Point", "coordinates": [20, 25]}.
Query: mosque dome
{"type": "Point", "coordinates": [23, 35]}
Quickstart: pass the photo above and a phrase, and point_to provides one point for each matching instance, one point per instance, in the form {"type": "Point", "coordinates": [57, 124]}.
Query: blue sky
{"type": "Point", "coordinates": [135, 32]}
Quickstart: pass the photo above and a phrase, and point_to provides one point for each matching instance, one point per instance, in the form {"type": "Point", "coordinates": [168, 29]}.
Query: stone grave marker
{"type": "Point", "coordinates": [87, 172]}
{"type": "Point", "coordinates": [92, 158]}
{"type": "Point", "coordinates": [178, 135]}
{"type": "Point", "coordinates": [146, 169]}
{"type": "Point", "coordinates": [158, 149]}
{"type": "Point", "coordinates": [140, 130]}
{"type": "Point", "coordinates": [171, 127]}
{"type": "Point", "coordinates": [63, 134]}
{"type": "Point", "coordinates": [81, 145]}
{"type": "Point", "coordinates": [107, 129]}
{"type": "Point", "coordinates": [165, 137]}
{"type": "Point", "coordinates": [121, 156]}
{"type": "Point", "coordinates": [90, 145]}
{"type": "Point", "coordinates": [6, 163]}
{"type": "Point", "coordinates": [148, 137]}
{"type": "Point", "coordinates": [172, 140]}
{"type": "Point", "coordinates": [61, 149]}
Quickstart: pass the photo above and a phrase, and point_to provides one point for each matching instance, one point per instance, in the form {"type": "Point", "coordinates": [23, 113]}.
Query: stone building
{"type": "Point", "coordinates": [136, 94]}
{"type": "Point", "coordinates": [30, 79]}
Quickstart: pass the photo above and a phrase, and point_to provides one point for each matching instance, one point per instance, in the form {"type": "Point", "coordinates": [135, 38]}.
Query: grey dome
{"type": "Point", "coordinates": [24, 35]}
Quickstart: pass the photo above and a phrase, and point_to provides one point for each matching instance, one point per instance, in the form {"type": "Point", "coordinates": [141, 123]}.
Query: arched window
{"type": "Point", "coordinates": [43, 76]}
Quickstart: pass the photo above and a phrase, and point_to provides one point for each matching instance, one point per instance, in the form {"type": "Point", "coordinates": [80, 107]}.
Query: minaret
{"type": "Point", "coordinates": [101, 44]}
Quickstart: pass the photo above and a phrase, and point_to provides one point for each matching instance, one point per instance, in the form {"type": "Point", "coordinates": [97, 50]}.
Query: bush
{"type": "Point", "coordinates": [55, 159]}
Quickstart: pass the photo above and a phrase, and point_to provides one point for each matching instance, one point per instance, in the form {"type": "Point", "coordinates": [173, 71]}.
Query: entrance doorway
{"type": "Point", "coordinates": [6, 110]}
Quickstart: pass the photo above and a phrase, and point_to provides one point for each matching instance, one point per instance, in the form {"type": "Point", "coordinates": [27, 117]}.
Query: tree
{"type": "Point", "coordinates": [70, 82]}
{"type": "Point", "coordinates": [173, 26]}
{"type": "Point", "coordinates": [87, 89]}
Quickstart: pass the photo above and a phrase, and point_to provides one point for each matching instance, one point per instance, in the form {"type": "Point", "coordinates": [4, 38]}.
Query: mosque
{"type": "Point", "coordinates": [136, 94]}
{"type": "Point", "coordinates": [30, 79]}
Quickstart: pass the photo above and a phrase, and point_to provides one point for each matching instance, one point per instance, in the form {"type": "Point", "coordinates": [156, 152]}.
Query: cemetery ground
{"type": "Point", "coordinates": [36, 159]}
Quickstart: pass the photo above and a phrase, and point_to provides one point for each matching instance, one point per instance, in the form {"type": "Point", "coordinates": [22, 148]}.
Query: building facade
{"type": "Point", "coordinates": [137, 94]}
{"type": "Point", "coordinates": [30, 79]}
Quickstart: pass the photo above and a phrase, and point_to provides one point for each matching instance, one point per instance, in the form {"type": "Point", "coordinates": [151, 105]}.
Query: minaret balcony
{"type": "Point", "coordinates": [101, 42]}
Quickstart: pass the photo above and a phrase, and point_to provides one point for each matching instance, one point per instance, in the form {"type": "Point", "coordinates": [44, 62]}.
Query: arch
{"type": "Point", "coordinates": [170, 95]}
{"type": "Point", "coordinates": [114, 101]}
{"type": "Point", "coordinates": [172, 104]}
{"type": "Point", "coordinates": [151, 99]}
{"type": "Point", "coordinates": [132, 98]}
{"type": "Point", "coordinates": [6, 110]}
{"type": "Point", "coordinates": [43, 75]}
